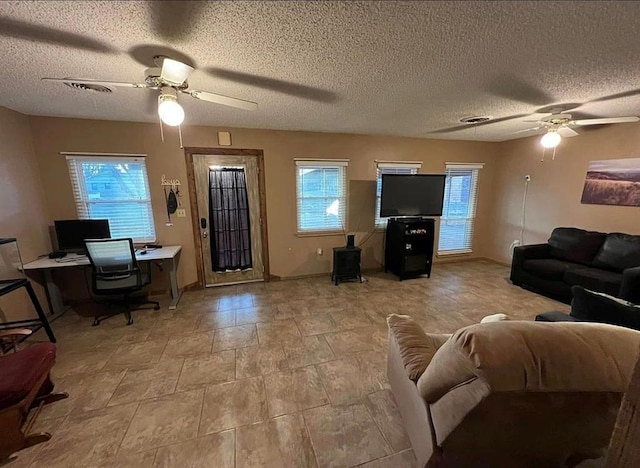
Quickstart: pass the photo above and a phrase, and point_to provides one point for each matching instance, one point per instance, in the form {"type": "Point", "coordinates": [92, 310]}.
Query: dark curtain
{"type": "Point", "coordinates": [229, 218]}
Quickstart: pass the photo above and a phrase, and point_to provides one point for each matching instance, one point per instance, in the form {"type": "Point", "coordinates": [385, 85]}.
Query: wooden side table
{"type": "Point", "coordinates": [346, 264]}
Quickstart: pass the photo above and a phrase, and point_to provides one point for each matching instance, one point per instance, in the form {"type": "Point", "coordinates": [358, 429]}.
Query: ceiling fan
{"type": "Point", "coordinates": [559, 125]}
{"type": "Point", "coordinates": [170, 78]}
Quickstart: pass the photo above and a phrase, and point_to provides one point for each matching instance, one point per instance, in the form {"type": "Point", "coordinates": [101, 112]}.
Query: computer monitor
{"type": "Point", "coordinates": [71, 233]}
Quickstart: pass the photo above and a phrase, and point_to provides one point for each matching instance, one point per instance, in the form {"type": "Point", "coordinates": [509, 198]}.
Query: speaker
{"type": "Point", "coordinates": [351, 240]}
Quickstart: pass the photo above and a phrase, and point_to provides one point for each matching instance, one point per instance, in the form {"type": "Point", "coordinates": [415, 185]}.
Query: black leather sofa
{"type": "Point", "coordinates": [607, 263]}
{"type": "Point", "coordinates": [589, 306]}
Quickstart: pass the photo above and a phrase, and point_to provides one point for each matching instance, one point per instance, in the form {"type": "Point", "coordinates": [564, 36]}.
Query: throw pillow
{"type": "Point", "coordinates": [613, 298]}
{"type": "Point", "coordinates": [494, 318]}
{"type": "Point", "coordinates": [575, 245]}
{"type": "Point", "coordinates": [591, 306]}
{"type": "Point", "coordinates": [416, 347]}
{"type": "Point", "coordinates": [619, 252]}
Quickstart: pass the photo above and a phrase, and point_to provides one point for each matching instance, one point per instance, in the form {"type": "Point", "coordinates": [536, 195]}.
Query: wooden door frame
{"type": "Point", "coordinates": [189, 153]}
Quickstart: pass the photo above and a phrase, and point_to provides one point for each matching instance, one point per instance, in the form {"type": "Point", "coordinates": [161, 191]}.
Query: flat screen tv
{"type": "Point", "coordinates": [71, 233]}
{"type": "Point", "coordinates": [412, 195]}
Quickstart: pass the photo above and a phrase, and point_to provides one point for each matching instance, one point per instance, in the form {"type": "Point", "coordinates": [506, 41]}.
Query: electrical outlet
{"type": "Point", "coordinates": [181, 213]}
{"type": "Point", "coordinates": [527, 178]}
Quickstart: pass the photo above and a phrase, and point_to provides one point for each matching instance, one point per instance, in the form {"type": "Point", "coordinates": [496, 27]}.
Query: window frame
{"type": "Point", "coordinates": [393, 166]}
{"type": "Point", "coordinates": [341, 165]}
{"type": "Point", "coordinates": [452, 169]}
{"type": "Point", "coordinates": [81, 196]}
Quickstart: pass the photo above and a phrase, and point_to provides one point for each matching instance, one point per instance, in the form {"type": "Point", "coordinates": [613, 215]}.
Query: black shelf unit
{"type": "Point", "coordinates": [408, 249]}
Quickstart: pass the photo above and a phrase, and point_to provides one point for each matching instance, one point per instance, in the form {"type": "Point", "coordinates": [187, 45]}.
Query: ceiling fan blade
{"type": "Point", "coordinates": [624, 94]}
{"type": "Point", "coordinates": [44, 34]}
{"type": "Point", "coordinates": [534, 129]}
{"type": "Point", "coordinates": [558, 108]}
{"type": "Point", "coordinates": [175, 72]}
{"type": "Point", "coordinates": [272, 84]}
{"type": "Point", "coordinates": [117, 84]}
{"type": "Point", "coordinates": [606, 120]}
{"type": "Point", "coordinates": [224, 100]}
{"type": "Point", "coordinates": [479, 124]}
{"type": "Point", "coordinates": [566, 132]}
{"type": "Point", "coordinates": [516, 89]}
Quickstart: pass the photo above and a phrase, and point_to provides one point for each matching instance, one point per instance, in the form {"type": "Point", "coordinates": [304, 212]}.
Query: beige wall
{"type": "Point", "coordinates": [290, 255]}
{"type": "Point", "coordinates": [554, 193]}
{"type": "Point", "coordinates": [556, 187]}
{"type": "Point", "coordinates": [23, 212]}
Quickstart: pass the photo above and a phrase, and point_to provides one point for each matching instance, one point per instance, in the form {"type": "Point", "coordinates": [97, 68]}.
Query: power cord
{"type": "Point", "coordinates": [523, 220]}
{"type": "Point", "coordinates": [69, 259]}
{"type": "Point", "coordinates": [384, 245]}
{"type": "Point", "coordinates": [367, 237]}
{"type": "Point", "coordinates": [86, 282]}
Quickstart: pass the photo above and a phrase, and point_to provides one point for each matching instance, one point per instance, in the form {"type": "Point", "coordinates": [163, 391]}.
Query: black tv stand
{"type": "Point", "coordinates": [409, 247]}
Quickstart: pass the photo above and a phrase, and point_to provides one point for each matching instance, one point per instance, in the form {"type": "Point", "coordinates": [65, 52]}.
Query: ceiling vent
{"type": "Point", "coordinates": [88, 87]}
{"type": "Point", "coordinates": [476, 119]}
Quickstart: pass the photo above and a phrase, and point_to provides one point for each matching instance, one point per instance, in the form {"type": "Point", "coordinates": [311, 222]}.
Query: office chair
{"type": "Point", "coordinates": [115, 272]}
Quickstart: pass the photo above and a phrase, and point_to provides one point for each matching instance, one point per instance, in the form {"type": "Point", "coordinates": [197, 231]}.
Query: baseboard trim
{"type": "Point", "coordinates": [455, 259]}
{"type": "Point", "coordinates": [493, 260]}
{"type": "Point", "coordinates": [325, 274]}
{"type": "Point", "coordinates": [299, 277]}
{"type": "Point", "coordinates": [441, 261]}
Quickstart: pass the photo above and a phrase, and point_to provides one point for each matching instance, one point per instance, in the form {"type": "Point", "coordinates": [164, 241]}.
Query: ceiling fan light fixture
{"type": "Point", "coordinates": [550, 139]}
{"type": "Point", "coordinates": [169, 110]}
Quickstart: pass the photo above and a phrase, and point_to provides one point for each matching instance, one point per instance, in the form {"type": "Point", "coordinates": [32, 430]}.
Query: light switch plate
{"type": "Point", "coordinates": [181, 213]}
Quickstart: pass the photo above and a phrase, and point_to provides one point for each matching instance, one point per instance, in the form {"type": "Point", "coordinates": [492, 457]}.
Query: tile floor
{"type": "Point", "coordinates": [283, 374]}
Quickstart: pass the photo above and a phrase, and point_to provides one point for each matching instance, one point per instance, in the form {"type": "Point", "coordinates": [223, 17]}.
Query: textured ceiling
{"type": "Point", "coordinates": [392, 68]}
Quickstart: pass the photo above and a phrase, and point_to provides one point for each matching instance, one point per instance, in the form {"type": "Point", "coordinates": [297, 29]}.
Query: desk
{"type": "Point", "coordinates": [169, 254]}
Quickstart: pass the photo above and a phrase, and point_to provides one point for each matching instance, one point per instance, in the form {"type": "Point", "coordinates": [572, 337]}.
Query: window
{"type": "Point", "coordinates": [391, 167]}
{"type": "Point", "coordinates": [459, 211]}
{"type": "Point", "coordinates": [321, 194]}
{"type": "Point", "coordinates": [114, 188]}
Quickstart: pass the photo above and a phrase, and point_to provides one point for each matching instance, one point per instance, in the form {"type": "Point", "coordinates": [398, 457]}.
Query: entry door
{"type": "Point", "coordinates": [202, 165]}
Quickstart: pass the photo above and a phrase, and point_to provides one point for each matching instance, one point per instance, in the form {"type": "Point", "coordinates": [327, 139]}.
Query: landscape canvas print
{"type": "Point", "coordinates": [613, 182]}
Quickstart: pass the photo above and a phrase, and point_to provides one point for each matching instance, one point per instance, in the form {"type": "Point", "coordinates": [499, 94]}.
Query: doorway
{"type": "Point", "coordinates": [228, 214]}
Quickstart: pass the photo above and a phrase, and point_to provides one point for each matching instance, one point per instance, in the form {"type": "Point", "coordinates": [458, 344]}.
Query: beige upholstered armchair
{"type": "Point", "coordinates": [511, 393]}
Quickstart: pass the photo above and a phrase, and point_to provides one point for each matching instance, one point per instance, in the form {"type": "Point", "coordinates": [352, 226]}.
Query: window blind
{"type": "Point", "coordinates": [390, 167]}
{"type": "Point", "coordinates": [114, 188]}
{"type": "Point", "coordinates": [321, 192]}
{"type": "Point", "coordinates": [459, 209]}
